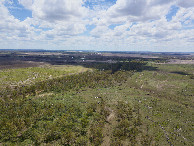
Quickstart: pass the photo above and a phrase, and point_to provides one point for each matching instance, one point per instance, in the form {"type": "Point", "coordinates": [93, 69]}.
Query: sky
{"type": "Point", "coordinates": [101, 25]}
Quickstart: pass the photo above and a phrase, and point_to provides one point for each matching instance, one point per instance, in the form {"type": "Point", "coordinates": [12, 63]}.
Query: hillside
{"type": "Point", "coordinates": [124, 103]}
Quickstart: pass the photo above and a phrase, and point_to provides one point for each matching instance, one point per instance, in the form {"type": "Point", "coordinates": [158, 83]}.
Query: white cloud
{"type": "Point", "coordinates": [137, 24]}
{"type": "Point", "coordinates": [160, 2]}
{"type": "Point", "coordinates": [139, 10]}
{"type": "Point", "coordinates": [99, 31]}
{"type": "Point", "coordinates": [62, 31]}
{"type": "Point", "coordinates": [11, 28]}
{"type": "Point", "coordinates": [55, 10]}
{"type": "Point", "coordinates": [58, 10]}
{"type": "Point", "coordinates": [26, 3]}
{"type": "Point", "coordinates": [186, 3]}
{"type": "Point", "coordinates": [185, 16]}
{"type": "Point", "coordinates": [128, 7]}
{"type": "Point", "coordinates": [57, 19]}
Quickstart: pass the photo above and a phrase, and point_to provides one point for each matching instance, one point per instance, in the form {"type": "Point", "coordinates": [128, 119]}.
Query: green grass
{"type": "Point", "coordinates": [147, 108]}
{"type": "Point", "coordinates": [57, 115]}
{"type": "Point", "coordinates": [188, 68]}
{"type": "Point", "coordinates": [28, 76]}
{"type": "Point", "coordinates": [165, 101]}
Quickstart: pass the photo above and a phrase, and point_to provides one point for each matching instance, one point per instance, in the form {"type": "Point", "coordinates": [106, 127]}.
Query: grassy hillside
{"type": "Point", "coordinates": [28, 76]}
{"type": "Point", "coordinates": [149, 107]}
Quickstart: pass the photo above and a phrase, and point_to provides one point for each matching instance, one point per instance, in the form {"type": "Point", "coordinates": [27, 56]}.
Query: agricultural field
{"type": "Point", "coordinates": [124, 103]}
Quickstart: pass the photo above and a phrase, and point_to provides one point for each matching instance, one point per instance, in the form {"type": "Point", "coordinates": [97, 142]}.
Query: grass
{"type": "Point", "coordinates": [165, 101]}
{"type": "Point", "coordinates": [148, 108]}
{"type": "Point", "coordinates": [28, 76]}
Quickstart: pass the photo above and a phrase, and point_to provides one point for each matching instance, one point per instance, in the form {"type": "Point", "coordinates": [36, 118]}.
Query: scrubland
{"type": "Point", "coordinates": [128, 103]}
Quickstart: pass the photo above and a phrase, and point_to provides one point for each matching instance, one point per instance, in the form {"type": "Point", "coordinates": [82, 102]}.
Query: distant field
{"type": "Point", "coordinates": [130, 55]}
{"type": "Point", "coordinates": [13, 64]}
{"type": "Point", "coordinates": [30, 75]}
{"type": "Point", "coordinates": [178, 61]}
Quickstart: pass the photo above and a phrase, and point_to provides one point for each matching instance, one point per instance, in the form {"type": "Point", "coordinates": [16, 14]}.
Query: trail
{"type": "Point", "coordinates": [108, 128]}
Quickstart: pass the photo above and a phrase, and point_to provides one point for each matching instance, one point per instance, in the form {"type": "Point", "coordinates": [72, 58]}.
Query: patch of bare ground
{"type": "Point", "coordinates": [42, 53]}
{"type": "Point", "coordinates": [129, 55]}
{"type": "Point", "coordinates": [44, 94]}
{"type": "Point", "coordinates": [178, 61]}
{"type": "Point", "coordinates": [20, 64]}
{"type": "Point", "coordinates": [111, 121]}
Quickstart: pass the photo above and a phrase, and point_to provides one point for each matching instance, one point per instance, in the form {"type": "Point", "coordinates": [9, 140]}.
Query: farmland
{"type": "Point", "coordinates": [103, 100]}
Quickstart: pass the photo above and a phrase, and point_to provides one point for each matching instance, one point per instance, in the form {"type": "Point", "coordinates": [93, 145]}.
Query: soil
{"type": "Point", "coordinates": [19, 64]}
{"type": "Point", "coordinates": [108, 128]}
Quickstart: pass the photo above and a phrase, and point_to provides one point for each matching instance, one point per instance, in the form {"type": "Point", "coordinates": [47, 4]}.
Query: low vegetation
{"type": "Point", "coordinates": [125, 103]}
{"type": "Point", "coordinates": [28, 76]}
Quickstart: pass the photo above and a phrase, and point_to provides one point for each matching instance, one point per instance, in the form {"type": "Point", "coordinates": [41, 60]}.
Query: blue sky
{"type": "Point", "coordinates": [113, 25]}
{"type": "Point", "coordinates": [18, 10]}
{"type": "Point", "coordinates": [172, 12]}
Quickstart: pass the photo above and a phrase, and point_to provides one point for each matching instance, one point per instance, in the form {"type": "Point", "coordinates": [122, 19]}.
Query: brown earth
{"type": "Point", "coordinates": [178, 61]}
{"type": "Point", "coordinates": [20, 64]}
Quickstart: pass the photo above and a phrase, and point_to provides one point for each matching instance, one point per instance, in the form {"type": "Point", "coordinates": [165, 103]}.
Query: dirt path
{"type": "Point", "coordinates": [111, 120]}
